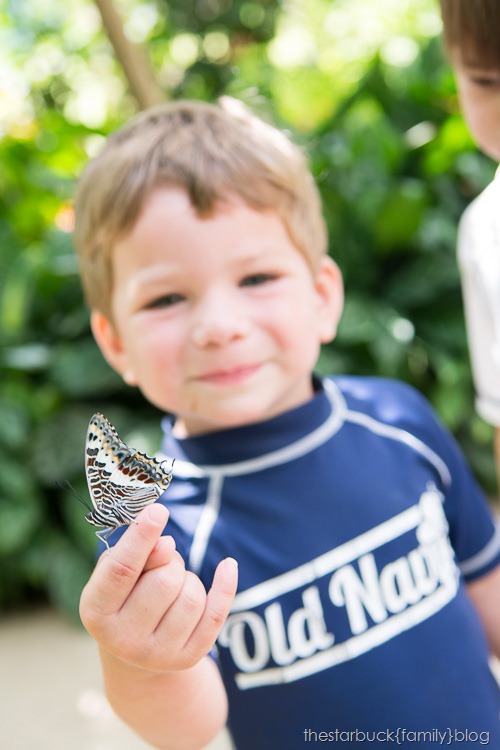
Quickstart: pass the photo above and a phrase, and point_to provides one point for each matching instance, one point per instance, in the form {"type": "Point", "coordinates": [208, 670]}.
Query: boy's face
{"type": "Point", "coordinates": [479, 92]}
{"type": "Point", "coordinates": [217, 320]}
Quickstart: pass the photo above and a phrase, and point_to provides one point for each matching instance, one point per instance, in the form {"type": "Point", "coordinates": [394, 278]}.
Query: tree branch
{"type": "Point", "coordinates": [141, 81]}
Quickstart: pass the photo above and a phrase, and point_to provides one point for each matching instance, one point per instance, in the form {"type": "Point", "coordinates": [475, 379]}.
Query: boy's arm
{"type": "Point", "coordinates": [485, 595]}
{"type": "Point", "coordinates": [182, 710]}
{"type": "Point", "coordinates": [155, 624]}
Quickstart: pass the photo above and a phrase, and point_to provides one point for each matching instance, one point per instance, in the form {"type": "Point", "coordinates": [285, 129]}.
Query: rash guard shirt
{"type": "Point", "coordinates": [355, 522]}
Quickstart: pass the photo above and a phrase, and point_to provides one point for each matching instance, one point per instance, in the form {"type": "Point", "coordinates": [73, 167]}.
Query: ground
{"type": "Point", "coordinates": [51, 695]}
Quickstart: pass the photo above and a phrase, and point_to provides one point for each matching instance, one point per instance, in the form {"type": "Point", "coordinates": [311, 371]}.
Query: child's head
{"type": "Point", "coordinates": [471, 31]}
{"type": "Point", "coordinates": [209, 151]}
{"type": "Point", "coordinates": [203, 253]}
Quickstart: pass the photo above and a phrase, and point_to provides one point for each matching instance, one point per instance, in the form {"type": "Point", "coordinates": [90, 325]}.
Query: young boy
{"type": "Point", "coordinates": [471, 38]}
{"type": "Point", "coordinates": [369, 577]}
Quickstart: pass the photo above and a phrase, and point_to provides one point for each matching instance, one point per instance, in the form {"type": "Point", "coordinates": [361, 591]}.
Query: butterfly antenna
{"type": "Point", "coordinates": [68, 487]}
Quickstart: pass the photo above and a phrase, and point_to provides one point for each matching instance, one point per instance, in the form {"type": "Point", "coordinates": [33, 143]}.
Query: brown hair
{"type": "Point", "coordinates": [208, 150]}
{"type": "Point", "coordinates": [471, 29]}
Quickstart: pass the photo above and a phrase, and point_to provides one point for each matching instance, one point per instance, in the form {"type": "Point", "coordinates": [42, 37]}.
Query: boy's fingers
{"type": "Point", "coordinates": [162, 553]}
{"type": "Point", "coordinates": [219, 601]}
{"type": "Point", "coordinates": [117, 572]}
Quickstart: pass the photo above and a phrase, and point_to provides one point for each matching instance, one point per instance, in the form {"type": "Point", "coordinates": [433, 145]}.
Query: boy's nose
{"type": "Point", "coordinates": [219, 321]}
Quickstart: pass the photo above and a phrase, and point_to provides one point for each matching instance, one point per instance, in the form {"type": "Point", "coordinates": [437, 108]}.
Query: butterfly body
{"type": "Point", "coordinates": [121, 480]}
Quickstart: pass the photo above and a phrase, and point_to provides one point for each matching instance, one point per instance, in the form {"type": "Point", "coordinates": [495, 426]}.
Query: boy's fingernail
{"type": "Point", "coordinates": [230, 565]}
{"type": "Point", "coordinates": [156, 512]}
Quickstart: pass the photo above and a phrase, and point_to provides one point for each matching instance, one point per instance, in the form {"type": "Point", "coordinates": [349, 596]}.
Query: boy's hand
{"type": "Point", "coordinates": [142, 606]}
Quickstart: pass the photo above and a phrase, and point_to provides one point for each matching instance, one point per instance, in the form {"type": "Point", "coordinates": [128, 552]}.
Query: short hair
{"type": "Point", "coordinates": [210, 151]}
{"type": "Point", "coordinates": [471, 29]}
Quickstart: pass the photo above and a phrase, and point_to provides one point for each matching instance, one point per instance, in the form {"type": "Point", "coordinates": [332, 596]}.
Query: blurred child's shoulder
{"type": "Point", "coordinates": [484, 208]}
{"type": "Point", "coordinates": [479, 228]}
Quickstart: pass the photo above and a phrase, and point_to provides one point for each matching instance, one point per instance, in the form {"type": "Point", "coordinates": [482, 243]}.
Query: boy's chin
{"type": "Point", "coordinates": [231, 419]}
{"type": "Point", "coordinates": [194, 427]}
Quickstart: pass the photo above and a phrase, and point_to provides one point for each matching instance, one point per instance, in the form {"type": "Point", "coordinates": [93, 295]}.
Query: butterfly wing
{"type": "Point", "coordinates": [121, 480]}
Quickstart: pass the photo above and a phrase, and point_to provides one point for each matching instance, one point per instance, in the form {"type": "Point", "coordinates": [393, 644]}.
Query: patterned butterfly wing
{"type": "Point", "coordinates": [121, 480]}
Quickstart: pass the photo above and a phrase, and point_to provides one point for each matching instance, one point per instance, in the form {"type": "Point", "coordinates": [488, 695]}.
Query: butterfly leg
{"type": "Point", "coordinates": [103, 536]}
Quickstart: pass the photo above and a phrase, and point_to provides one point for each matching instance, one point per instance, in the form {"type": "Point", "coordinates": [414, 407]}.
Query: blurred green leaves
{"type": "Point", "coordinates": [361, 86]}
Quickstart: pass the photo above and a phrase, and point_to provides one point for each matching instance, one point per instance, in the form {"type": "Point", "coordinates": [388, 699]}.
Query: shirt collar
{"type": "Point", "coordinates": [250, 441]}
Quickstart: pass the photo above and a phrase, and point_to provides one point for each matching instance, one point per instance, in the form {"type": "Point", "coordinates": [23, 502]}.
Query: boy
{"type": "Point", "coordinates": [352, 516]}
{"type": "Point", "coordinates": [471, 39]}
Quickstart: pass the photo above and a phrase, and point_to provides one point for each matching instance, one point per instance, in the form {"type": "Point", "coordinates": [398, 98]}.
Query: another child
{"type": "Point", "coordinates": [369, 576]}
{"type": "Point", "coordinates": [471, 31]}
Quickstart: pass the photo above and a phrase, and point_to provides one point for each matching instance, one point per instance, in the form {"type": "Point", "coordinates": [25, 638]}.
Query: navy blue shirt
{"type": "Point", "coordinates": [355, 522]}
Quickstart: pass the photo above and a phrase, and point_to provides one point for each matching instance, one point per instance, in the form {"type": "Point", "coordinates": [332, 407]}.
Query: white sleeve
{"type": "Point", "coordinates": [479, 261]}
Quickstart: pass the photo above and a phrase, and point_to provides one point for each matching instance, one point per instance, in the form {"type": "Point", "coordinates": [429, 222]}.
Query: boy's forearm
{"type": "Point", "coordinates": [182, 710]}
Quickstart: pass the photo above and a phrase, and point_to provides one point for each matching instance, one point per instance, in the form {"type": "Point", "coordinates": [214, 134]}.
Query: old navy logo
{"type": "Point", "coordinates": [379, 604]}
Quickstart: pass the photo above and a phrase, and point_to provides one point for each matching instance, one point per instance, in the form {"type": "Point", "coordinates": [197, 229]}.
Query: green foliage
{"type": "Point", "coordinates": [362, 86]}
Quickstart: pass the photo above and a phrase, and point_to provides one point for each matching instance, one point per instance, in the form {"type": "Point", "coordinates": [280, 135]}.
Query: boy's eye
{"type": "Point", "coordinates": [484, 78]}
{"type": "Point", "coordinates": [166, 300]}
{"type": "Point", "coordinates": [484, 81]}
{"type": "Point", "coordinates": [256, 279]}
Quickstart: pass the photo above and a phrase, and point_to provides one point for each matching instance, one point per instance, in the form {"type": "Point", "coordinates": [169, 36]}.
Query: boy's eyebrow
{"type": "Point", "coordinates": [251, 251]}
{"type": "Point", "coordinates": [151, 278]}
{"type": "Point", "coordinates": [478, 66]}
{"type": "Point", "coordinates": [472, 57]}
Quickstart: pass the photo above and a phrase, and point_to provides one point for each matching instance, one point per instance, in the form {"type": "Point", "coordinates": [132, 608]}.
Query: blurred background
{"type": "Point", "coordinates": [361, 85]}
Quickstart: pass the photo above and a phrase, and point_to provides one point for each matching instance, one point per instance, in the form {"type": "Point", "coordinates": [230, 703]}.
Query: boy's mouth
{"type": "Point", "coordinates": [228, 376]}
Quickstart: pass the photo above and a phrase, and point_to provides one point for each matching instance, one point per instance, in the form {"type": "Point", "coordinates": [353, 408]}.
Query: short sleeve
{"type": "Point", "coordinates": [474, 530]}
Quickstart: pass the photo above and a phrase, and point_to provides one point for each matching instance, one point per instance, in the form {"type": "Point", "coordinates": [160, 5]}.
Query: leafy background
{"type": "Point", "coordinates": [362, 85]}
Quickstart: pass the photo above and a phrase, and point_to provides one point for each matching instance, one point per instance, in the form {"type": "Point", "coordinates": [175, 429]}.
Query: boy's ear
{"type": "Point", "coordinates": [111, 346]}
{"type": "Point", "coordinates": [330, 291]}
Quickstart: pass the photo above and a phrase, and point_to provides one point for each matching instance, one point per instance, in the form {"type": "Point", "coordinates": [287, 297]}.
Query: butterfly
{"type": "Point", "coordinates": [121, 480]}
